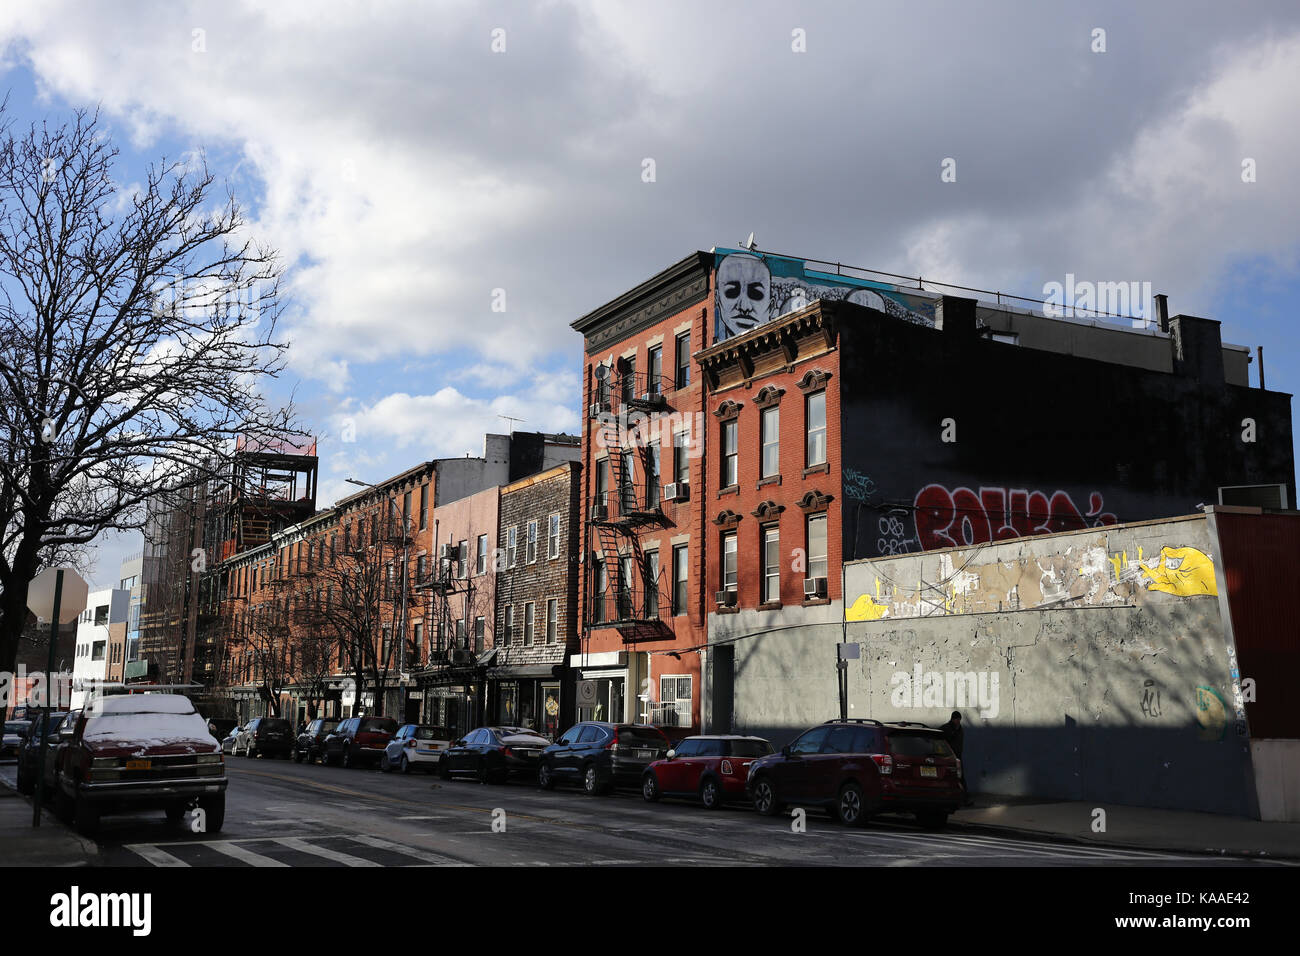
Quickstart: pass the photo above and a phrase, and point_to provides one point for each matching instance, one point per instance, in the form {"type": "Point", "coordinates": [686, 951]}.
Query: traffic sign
{"type": "Point", "coordinates": [72, 601]}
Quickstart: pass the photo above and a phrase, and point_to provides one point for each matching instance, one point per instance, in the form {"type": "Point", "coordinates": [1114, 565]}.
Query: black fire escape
{"type": "Point", "coordinates": [621, 586]}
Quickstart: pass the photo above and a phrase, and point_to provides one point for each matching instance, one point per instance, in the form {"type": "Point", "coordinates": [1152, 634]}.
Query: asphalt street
{"type": "Point", "coordinates": [280, 813]}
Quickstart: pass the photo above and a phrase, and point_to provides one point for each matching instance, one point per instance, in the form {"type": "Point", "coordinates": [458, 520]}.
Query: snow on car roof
{"type": "Point", "coordinates": [146, 704]}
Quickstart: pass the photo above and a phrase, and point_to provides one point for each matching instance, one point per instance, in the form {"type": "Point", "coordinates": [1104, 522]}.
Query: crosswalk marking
{"type": "Point", "coordinates": [232, 849]}
{"type": "Point", "coordinates": [157, 856]}
{"type": "Point", "coordinates": [425, 856]}
{"type": "Point", "coordinates": [294, 843]}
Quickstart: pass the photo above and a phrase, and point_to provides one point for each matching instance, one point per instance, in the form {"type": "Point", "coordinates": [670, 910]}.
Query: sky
{"type": "Point", "coordinates": [416, 163]}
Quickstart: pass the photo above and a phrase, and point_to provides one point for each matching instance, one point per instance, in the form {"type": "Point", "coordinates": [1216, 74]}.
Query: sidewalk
{"type": "Point", "coordinates": [52, 844]}
{"type": "Point", "coordinates": [1144, 828]}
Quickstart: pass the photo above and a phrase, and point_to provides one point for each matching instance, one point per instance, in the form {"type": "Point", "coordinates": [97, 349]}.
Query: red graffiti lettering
{"type": "Point", "coordinates": [960, 517]}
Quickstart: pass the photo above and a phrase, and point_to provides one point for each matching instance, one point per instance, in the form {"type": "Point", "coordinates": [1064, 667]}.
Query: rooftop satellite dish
{"type": "Point", "coordinates": [601, 372]}
{"type": "Point", "coordinates": [749, 243]}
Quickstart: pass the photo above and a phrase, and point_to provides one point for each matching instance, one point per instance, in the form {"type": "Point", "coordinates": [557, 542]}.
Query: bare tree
{"type": "Point", "coordinates": [137, 325]}
{"type": "Point", "coordinates": [355, 615]}
{"type": "Point", "coordinates": [267, 640]}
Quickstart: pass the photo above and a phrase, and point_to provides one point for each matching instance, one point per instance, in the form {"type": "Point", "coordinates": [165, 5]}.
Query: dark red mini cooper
{"type": "Point", "coordinates": [712, 768]}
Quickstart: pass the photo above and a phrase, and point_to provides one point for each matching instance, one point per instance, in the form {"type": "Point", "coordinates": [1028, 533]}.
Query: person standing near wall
{"type": "Point", "coordinates": [953, 733]}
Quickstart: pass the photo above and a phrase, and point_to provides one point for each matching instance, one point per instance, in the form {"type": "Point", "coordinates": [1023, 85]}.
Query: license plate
{"type": "Point", "coordinates": [139, 764]}
{"type": "Point", "coordinates": [929, 771]}
{"type": "Point", "coordinates": [645, 753]}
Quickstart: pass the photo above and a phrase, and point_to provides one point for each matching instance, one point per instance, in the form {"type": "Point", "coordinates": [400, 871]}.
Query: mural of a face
{"type": "Point", "coordinates": [744, 295]}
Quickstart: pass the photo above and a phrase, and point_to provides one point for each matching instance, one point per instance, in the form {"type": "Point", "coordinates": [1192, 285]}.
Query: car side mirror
{"type": "Point", "coordinates": [785, 751]}
{"type": "Point", "coordinates": [672, 754]}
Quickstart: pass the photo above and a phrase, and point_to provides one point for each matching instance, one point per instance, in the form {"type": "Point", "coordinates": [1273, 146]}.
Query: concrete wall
{"type": "Point", "coordinates": [1084, 669]}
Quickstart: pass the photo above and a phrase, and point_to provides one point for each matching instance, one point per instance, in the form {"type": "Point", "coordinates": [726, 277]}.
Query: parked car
{"type": "Point", "coordinates": [860, 768]}
{"type": "Point", "coordinates": [29, 752]}
{"type": "Point", "coordinates": [141, 751]}
{"type": "Point", "coordinates": [265, 736]}
{"type": "Point", "coordinates": [55, 752]}
{"type": "Point", "coordinates": [600, 755]}
{"type": "Point", "coordinates": [15, 733]}
{"type": "Point", "coordinates": [359, 740]}
{"type": "Point", "coordinates": [492, 754]}
{"type": "Point", "coordinates": [712, 768]}
{"type": "Point", "coordinates": [228, 741]}
{"type": "Point", "coordinates": [416, 745]}
{"type": "Point", "coordinates": [312, 739]}
{"type": "Point", "coordinates": [220, 727]}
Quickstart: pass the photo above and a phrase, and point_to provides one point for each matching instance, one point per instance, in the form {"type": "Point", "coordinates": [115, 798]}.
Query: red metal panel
{"type": "Point", "coordinates": [1259, 560]}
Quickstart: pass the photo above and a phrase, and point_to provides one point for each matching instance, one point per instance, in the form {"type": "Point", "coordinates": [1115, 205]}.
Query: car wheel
{"type": "Point", "coordinates": [405, 765]}
{"type": "Point", "coordinates": [849, 807]}
{"type": "Point", "coordinates": [546, 776]}
{"type": "Point", "coordinates": [385, 765]}
{"type": "Point", "coordinates": [85, 817]}
{"type": "Point", "coordinates": [932, 819]}
{"type": "Point", "coordinates": [765, 801]}
{"type": "Point", "coordinates": [591, 781]}
{"type": "Point", "coordinates": [297, 755]}
{"type": "Point", "coordinates": [711, 793]}
{"type": "Point", "coordinates": [444, 768]}
{"type": "Point", "coordinates": [650, 786]}
{"type": "Point", "coordinates": [214, 812]}
{"type": "Point", "coordinates": [175, 812]}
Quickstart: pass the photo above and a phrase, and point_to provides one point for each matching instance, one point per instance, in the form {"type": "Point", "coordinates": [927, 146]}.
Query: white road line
{"type": "Point", "coordinates": [155, 855]}
{"type": "Point", "coordinates": [294, 843]}
{"type": "Point", "coordinates": [244, 855]}
{"type": "Point", "coordinates": [437, 859]}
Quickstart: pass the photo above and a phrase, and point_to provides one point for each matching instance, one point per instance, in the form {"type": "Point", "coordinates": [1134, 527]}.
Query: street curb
{"type": "Point", "coordinates": [996, 829]}
{"type": "Point", "coordinates": [88, 847]}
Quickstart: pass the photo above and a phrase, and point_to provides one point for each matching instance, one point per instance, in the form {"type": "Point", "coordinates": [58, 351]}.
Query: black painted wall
{"type": "Point", "coordinates": [1118, 441]}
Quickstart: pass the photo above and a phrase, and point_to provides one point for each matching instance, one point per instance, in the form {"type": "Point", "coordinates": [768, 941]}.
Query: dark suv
{"type": "Point", "coordinates": [29, 751]}
{"type": "Point", "coordinates": [266, 737]}
{"type": "Point", "coordinates": [601, 755]}
{"type": "Point", "coordinates": [310, 743]}
{"type": "Point", "coordinates": [859, 768]}
{"type": "Point", "coordinates": [358, 740]}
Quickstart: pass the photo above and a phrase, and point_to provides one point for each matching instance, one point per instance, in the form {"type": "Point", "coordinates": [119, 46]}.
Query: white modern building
{"type": "Point", "coordinates": [92, 659]}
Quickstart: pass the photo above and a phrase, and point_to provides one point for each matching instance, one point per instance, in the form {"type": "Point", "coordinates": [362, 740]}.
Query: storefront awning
{"type": "Point", "coordinates": [521, 670]}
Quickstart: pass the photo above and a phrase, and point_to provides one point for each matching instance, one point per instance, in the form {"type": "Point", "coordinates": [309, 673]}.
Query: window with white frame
{"type": "Point", "coordinates": [552, 620]}
{"type": "Point", "coordinates": [531, 555]}
{"type": "Point", "coordinates": [512, 545]}
{"type": "Point", "coordinates": [675, 693]}
{"type": "Point", "coordinates": [529, 612]}
{"type": "Point", "coordinates": [553, 536]}
{"type": "Point", "coordinates": [771, 564]}
{"type": "Point", "coordinates": [480, 558]}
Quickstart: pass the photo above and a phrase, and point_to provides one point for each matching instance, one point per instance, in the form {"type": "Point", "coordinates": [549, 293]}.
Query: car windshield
{"type": "Point", "coordinates": [514, 732]}
{"type": "Point", "coordinates": [904, 743]}
{"type": "Point", "coordinates": [377, 725]}
{"type": "Point", "coordinates": [432, 733]}
{"type": "Point", "coordinates": [750, 748]}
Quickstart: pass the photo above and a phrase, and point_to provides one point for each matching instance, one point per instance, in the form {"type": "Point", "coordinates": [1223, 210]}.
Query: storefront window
{"type": "Point", "coordinates": [551, 710]}
{"type": "Point", "coordinates": [507, 706]}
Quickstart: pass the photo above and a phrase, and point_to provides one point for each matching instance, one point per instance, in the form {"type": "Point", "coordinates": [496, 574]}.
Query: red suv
{"type": "Point", "coordinates": [358, 740]}
{"type": "Point", "coordinates": [859, 768]}
{"type": "Point", "coordinates": [713, 768]}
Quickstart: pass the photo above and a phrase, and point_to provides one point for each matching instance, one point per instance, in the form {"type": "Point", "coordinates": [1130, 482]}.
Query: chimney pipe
{"type": "Point", "coordinates": [1162, 311]}
{"type": "Point", "coordinates": [1260, 350]}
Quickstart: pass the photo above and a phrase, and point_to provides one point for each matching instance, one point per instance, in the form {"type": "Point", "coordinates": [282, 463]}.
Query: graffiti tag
{"type": "Point", "coordinates": [961, 516]}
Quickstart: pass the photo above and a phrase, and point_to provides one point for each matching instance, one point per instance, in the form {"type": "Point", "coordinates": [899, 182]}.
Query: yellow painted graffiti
{"type": "Point", "coordinates": [866, 609]}
{"type": "Point", "coordinates": [1191, 573]}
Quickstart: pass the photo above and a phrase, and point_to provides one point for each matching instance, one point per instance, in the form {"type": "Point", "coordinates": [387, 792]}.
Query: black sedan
{"type": "Point", "coordinates": [30, 750]}
{"type": "Point", "coordinates": [492, 754]}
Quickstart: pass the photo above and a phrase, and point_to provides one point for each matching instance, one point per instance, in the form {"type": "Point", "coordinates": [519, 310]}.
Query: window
{"type": "Point", "coordinates": [462, 558]}
{"type": "Point", "coordinates": [811, 742]}
{"type": "Point", "coordinates": [730, 454]}
{"type": "Point", "coordinates": [424, 506]}
{"type": "Point", "coordinates": [627, 496]}
{"type": "Point", "coordinates": [679, 579]}
{"type": "Point", "coordinates": [417, 645]}
{"type": "Point", "coordinates": [652, 584]}
{"type": "Point", "coordinates": [421, 568]}
{"type": "Point", "coordinates": [629, 378]}
{"type": "Point", "coordinates": [510, 625]}
{"type": "Point", "coordinates": [388, 582]}
{"type": "Point", "coordinates": [480, 559]}
{"type": "Point", "coordinates": [460, 634]}
{"type": "Point", "coordinates": [675, 701]}
{"type": "Point", "coordinates": [553, 537]}
{"type": "Point", "coordinates": [654, 369]}
{"type": "Point", "coordinates": [600, 586]}
{"type": "Point", "coordinates": [817, 546]}
{"type": "Point", "coordinates": [729, 561]}
{"type": "Point", "coordinates": [681, 458]}
{"type": "Point", "coordinates": [683, 377]}
{"type": "Point", "coordinates": [652, 475]}
{"type": "Point", "coordinates": [771, 564]}
{"type": "Point", "coordinates": [770, 428]}
{"type": "Point", "coordinates": [552, 620]}
{"type": "Point", "coordinates": [512, 546]}
{"type": "Point", "coordinates": [480, 629]}
{"type": "Point", "coordinates": [529, 612]}
{"type": "Point", "coordinates": [625, 581]}
{"type": "Point", "coordinates": [97, 650]}
{"type": "Point", "coordinates": [602, 482]}
{"type": "Point", "coordinates": [406, 513]}
{"type": "Point", "coordinates": [532, 542]}
{"type": "Point", "coordinates": [815, 425]}
{"type": "Point", "coordinates": [374, 529]}
{"type": "Point", "coordinates": [387, 645]}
